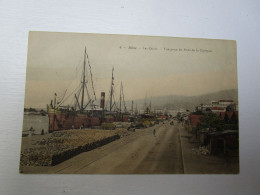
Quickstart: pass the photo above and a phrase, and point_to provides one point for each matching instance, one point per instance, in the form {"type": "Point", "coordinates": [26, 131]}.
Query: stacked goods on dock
{"type": "Point", "coordinates": [109, 126]}
{"type": "Point", "coordinates": [59, 146]}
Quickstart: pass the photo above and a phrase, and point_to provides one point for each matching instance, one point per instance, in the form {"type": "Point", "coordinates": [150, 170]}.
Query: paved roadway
{"type": "Point", "coordinates": [139, 153]}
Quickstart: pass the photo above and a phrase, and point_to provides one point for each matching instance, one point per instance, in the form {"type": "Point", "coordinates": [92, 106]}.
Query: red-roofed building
{"type": "Point", "coordinates": [195, 119]}
{"type": "Point", "coordinates": [222, 115]}
{"type": "Point", "coordinates": [229, 115]}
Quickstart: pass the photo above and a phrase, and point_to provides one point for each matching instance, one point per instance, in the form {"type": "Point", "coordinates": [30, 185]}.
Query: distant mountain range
{"type": "Point", "coordinates": [175, 102]}
{"type": "Point", "coordinates": [185, 102]}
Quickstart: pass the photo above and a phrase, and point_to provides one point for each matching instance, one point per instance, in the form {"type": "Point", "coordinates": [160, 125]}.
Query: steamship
{"type": "Point", "coordinates": [86, 114]}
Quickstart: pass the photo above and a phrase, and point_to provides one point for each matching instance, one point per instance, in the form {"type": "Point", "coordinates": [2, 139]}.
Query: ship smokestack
{"type": "Point", "coordinates": [102, 101]}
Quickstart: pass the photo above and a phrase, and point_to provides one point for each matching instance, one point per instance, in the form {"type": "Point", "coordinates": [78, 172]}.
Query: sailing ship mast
{"type": "Point", "coordinates": [136, 110]}
{"type": "Point", "coordinates": [83, 81]}
{"type": "Point", "coordinates": [84, 85]}
{"type": "Point", "coordinates": [132, 108]}
{"type": "Point", "coordinates": [111, 91]}
{"type": "Point", "coordinates": [150, 105]}
{"type": "Point", "coordinates": [122, 98]}
{"type": "Point", "coordinates": [56, 111]}
{"type": "Point", "coordinates": [145, 104]}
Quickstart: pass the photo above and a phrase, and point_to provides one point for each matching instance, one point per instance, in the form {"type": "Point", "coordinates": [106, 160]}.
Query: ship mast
{"type": "Point", "coordinates": [120, 98]}
{"type": "Point", "coordinates": [136, 111]}
{"type": "Point", "coordinates": [150, 105]}
{"type": "Point", "coordinates": [123, 99]}
{"type": "Point", "coordinates": [111, 91]}
{"type": "Point", "coordinates": [83, 82]}
{"type": "Point", "coordinates": [132, 108]}
{"type": "Point", "coordinates": [145, 103]}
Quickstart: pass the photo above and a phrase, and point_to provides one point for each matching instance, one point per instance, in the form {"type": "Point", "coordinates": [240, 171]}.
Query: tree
{"type": "Point", "coordinates": [211, 121]}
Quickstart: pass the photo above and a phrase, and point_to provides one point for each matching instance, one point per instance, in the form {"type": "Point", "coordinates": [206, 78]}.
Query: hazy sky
{"type": "Point", "coordinates": [157, 66]}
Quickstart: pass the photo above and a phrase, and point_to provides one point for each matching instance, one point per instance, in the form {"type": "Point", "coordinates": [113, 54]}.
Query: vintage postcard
{"type": "Point", "coordinates": [124, 104]}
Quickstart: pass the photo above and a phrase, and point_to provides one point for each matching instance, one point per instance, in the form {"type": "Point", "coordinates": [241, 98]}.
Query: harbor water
{"type": "Point", "coordinates": [37, 122]}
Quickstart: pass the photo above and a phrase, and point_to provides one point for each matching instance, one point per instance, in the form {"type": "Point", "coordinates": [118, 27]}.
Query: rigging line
{"type": "Point", "coordinates": [108, 99]}
{"type": "Point", "coordinates": [77, 95]}
{"type": "Point", "coordinates": [114, 104]}
{"type": "Point", "coordinates": [123, 98]}
{"type": "Point", "coordinates": [77, 70]}
{"type": "Point", "coordinates": [77, 101]}
{"type": "Point", "coordinates": [78, 65]}
{"type": "Point", "coordinates": [87, 104]}
{"type": "Point", "coordinates": [66, 92]}
{"type": "Point", "coordinates": [79, 91]}
{"type": "Point", "coordinates": [63, 96]}
{"type": "Point", "coordinates": [91, 77]}
{"type": "Point", "coordinates": [68, 96]}
{"type": "Point", "coordinates": [87, 92]}
{"type": "Point", "coordinates": [114, 100]}
{"type": "Point", "coordinates": [118, 103]}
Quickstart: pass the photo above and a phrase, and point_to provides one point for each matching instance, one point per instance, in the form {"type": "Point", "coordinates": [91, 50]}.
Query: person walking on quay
{"type": "Point", "coordinates": [154, 131]}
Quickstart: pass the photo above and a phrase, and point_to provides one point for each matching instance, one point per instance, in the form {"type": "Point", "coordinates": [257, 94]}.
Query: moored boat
{"type": "Point", "coordinates": [82, 115]}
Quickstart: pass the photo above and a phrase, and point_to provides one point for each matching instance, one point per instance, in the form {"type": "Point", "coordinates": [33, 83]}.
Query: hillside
{"type": "Point", "coordinates": [185, 102]}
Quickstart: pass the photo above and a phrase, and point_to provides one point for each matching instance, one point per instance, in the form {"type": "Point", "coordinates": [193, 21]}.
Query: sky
{"type": "Point", "coordinates": [156, 66]}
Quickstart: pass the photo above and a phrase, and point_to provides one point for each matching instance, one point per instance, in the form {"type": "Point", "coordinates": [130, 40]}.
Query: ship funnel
{"type": "Point", "coordinates": [102, 101]}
